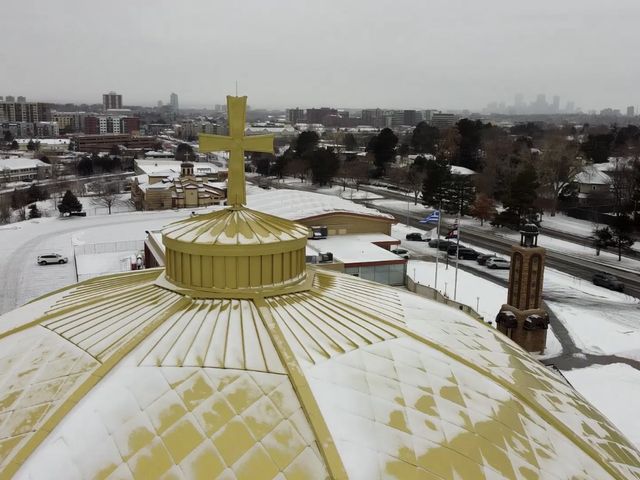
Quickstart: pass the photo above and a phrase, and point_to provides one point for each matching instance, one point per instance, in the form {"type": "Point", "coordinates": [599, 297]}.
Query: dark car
{"type": "Point", "coordinates": [401, 252]}
{"type": "Point", "coordinates": [454, 247]}
{"type": "Point", "coordinates": [444, 245]}
{"type": "Point", "coordinates": [482, 259]}
{"type": "Point", "coordinates": [467, 254]}
{"type": "Point", "coordinates": [609, 281]}
{"type": "Point", "coordinates": [415, 236]}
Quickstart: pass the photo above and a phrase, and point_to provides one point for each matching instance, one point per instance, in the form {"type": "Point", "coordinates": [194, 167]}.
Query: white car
{"type": "Point", "coordinates": [497, 262]}
{"type": "Point", "coordinates": [51, 258]}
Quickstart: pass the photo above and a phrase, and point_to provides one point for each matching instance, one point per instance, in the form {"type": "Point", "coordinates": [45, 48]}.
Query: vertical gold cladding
{"type": "Point", "coordinates": [234, 249]}
{"type": "Point", "coordinates": [307, 400]}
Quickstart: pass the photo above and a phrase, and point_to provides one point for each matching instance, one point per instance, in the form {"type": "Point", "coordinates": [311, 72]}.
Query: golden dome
{"type": "Point", "coordinates": [118, 377]}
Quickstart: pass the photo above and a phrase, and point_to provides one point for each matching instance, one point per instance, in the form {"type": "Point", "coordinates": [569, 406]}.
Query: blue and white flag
{"type": "Point", "coordinates": [433, 218]}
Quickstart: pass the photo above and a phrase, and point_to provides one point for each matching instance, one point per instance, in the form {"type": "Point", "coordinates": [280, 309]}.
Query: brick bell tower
{"type": "Point", "coordinates": [521, 318]}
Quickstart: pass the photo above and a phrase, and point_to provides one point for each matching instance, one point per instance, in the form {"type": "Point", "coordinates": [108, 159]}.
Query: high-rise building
{"type": "Point", "coordinates": [373, 117]}
{"type": "Point", "coordinates": [25, 111]}
{"type": "Point", "coordinates": [556, 104]}
{"type": "Point", "coordinates": [9, 99]}
{"type": "Point", "coordinates": [173, 101]}
{"type": "Point", "coordinates": [317, 115]}
{"type": "Point", "coordinates": [111, 100]}
{"type": "Point", "coordinates": [518, 102]}
{"type": "Point", "coordinates": [443, 120]}
{"type": "Point", "coordinates": [630, 111]}
{"type": "Point", "coordinates": [21, 99]}
{"type": "Point", "coordinates": [103, 124]}
{"type": "Point", "coordinates": [295, 115]}
{"type": "Point", "coordinates": [570, 107]}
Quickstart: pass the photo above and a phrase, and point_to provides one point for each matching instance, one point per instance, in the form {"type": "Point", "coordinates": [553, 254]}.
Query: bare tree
{"type": "Point", "coordinates": [558, 165]}
{"type": "Point", "coordinates": [107, 195]}
{"type": "Point", "coordinates": [483, 208]}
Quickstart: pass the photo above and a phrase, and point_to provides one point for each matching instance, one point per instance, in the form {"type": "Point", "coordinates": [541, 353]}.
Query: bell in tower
{"type": "Point", "coordinates": [522, 319]}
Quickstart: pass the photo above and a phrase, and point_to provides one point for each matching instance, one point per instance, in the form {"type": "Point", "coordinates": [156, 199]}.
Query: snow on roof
{"type": "Point", "coordinates": [19, 163]}
{"type": "Point", "coordinates": [591, 175]}
{"type": "Point", "coordinates": [296, 204]}
{"type": "Point", "coordinates": [45, 141]}
{"type": "Point", "coordinates": [457, 170]}
{"type": "Point", "coordinates": [161, 166]}
{"type": "Point", "coordinates": [350, 249]}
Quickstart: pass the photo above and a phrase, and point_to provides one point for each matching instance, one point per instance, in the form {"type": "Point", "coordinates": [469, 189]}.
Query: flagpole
{"type": "Point", "coordinates": [438, 247]}
{"type": "Point", "coordinates": [455, 282]}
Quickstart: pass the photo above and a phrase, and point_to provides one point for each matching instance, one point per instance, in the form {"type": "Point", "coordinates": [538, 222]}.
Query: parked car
{"type": "Point", "coordinates": [415, 236]}
{"type": "Point", "coordinates": [607, 280]}
{"type": "Point", "coordinates": [51, 258]}
{"type": "Point", "coordinates": [497, 262]}
{"type": "Point", "coordinates": [454, 247]}
{"type": "Point", "coordinates": [482, 259]}
{"type": "Point", "coordinates": [401, 252]}
{"type": "Point", "coordinates": [444, 245]}
{"type": "Point", "coordinates": [467, 253]}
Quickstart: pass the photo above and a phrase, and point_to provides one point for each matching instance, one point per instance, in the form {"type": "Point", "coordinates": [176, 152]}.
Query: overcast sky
{"type": "Point", "coordinates": [345, 53]}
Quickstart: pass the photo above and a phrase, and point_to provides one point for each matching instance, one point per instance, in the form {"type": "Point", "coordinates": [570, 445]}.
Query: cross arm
{"type": "Point", "coordinates": [214, 143]}
{"type": "Point", "coordinates": [258, 143]}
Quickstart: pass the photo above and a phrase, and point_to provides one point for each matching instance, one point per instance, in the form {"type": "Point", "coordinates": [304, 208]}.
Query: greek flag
{"type": "Point", "coordinates": [433, 218]}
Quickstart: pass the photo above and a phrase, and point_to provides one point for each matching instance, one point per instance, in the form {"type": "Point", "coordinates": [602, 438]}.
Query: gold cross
{"type": "Point", "coordinates": [236, 143]}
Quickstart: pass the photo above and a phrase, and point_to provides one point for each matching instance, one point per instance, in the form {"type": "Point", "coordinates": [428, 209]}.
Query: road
{"type": "Point", "coordinates": [579, 267]}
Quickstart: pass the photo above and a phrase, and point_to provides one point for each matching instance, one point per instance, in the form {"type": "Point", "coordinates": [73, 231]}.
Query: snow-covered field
{"type": "Point", "coordinates": [600, 321]}
{"type": "Point", "coordinates": [93, 265]}
{"type": "Point", "coordinates": [20, 243]}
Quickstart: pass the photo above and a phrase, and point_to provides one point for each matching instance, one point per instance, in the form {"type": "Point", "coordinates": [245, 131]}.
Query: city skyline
{"type": "Point", "coordinates": [355, 55]}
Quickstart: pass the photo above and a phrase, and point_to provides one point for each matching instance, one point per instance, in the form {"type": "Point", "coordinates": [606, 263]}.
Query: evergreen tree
{"type": "Point", "coordinates": [383, 148]}
{"type": "Point", "coordinates": [470, 143]}
{"type": "Point", "coordinates": [31, 146]}
{"type": "Point", "coordinates": [85, 167]}
{"type": "Point", "coordinates": [33, 211]}
{"type": "Point", "coordinates": [522, 195]}
{"type": "Point", "coordinates": [461, 194]}
{"type": "Point", "coordinates": [437, 182]}
{"type": "Point", "coordinates": [350, 142]}
{"type": "Point", "coordinates": [425, 138]}
{"type": "Point", "coordinates": [185, 153]}
{"type": "Point", "coordinates": [14, 145]}
{"type": "Point", "coordinates": [324, 165]}
{"type": "Point", "coordinates": [19, 198]}
{"type": "Point", "coordinates": [69, 203]}
{"type": "Point", "coordinates": [307, 141]}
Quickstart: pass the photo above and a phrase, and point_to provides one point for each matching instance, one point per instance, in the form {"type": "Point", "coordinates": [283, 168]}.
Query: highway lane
{"type": "Point", "coordinates": [573, 265]}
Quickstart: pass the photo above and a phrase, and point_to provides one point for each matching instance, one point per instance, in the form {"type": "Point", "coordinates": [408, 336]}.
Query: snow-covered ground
{"type": "Point", "coordinates": [564, 223]}
{"type": "Point", "coordinates": [20, 243]}
{"type": "Point", "coordinates": [614, 390]}
{"type": "Point", "coordinates": [600, 321]}
{"type": "Point", "coordinates": [93, 265]}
